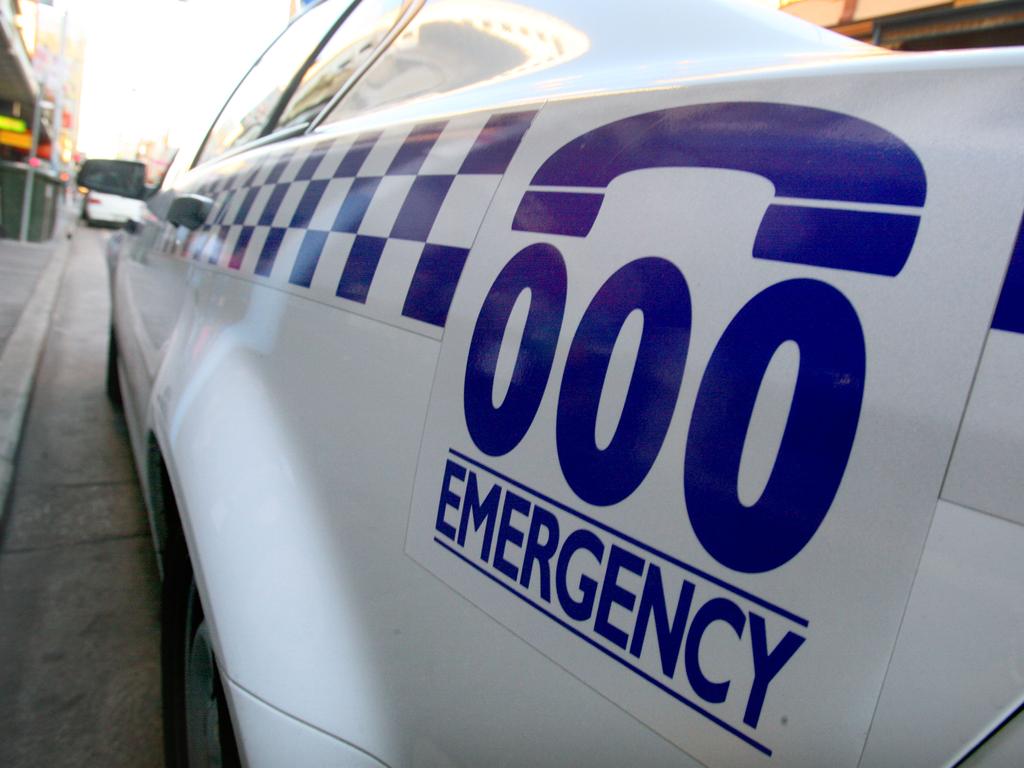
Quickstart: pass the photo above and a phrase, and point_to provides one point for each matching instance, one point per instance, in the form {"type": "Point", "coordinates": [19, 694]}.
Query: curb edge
{"type": "Point", "coordinates": [20, 359]}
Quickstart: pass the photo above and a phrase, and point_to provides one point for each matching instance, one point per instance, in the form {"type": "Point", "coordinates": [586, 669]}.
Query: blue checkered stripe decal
{"type": "Point", "coordinates": [394, 208]}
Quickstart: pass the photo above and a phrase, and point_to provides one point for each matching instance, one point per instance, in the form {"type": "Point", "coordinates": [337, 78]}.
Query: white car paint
{"type": "Point", "coordinates": [293, 422]}
{"type": "Point", "coordinates": [273, 738]}
{"type": "Point", "coordinates": [105, 208]}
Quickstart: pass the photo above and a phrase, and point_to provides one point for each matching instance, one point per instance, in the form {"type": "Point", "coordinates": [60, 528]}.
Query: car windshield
{"type": "Point", "coordinates": [116, 177]}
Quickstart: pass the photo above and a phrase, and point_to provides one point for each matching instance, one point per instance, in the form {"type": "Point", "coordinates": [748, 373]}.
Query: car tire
{"type": "Point", "coordinates": [197, 724]}
{"type": "Point", "coordinates": [113, 380]}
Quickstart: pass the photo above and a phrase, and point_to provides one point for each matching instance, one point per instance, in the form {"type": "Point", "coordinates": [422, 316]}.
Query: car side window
{"type": "Point", "coordinates": [451, 45]}
{"type": "Point", "coordinates": [349, 47]}
{"type": "Point", "coordinates": [252, 105]}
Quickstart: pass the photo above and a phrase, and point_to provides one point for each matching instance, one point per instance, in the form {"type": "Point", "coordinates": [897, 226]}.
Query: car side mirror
{"type": "Point", "coordinates": [189, 211]}
{"type": "Point", "coordinates": [125, 178]}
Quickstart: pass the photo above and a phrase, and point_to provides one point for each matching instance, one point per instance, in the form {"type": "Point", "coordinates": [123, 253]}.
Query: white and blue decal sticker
{"type": "Point", "coordinates": [1009, 314]}
{"type": "Point", "coordinates": [378, 222]}
{"type": "Point", "coordinates": [697, 391]}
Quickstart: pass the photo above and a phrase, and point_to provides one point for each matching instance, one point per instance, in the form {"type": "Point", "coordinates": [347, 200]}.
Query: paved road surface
{"type": "Point", "coordinates": [79, 590]}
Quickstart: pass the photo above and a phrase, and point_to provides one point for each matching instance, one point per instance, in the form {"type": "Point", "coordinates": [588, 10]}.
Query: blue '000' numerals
{"type": "Point", "coordinates": [817, 439]}
{"type": "Point", "coordinates": [541, 269]}
{"type": "Point", "coordinates": [819, 431]}
{"type": "Point", "coordinates": [607, 476]}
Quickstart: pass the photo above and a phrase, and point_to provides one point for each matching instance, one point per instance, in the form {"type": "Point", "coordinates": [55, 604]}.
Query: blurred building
{"type": "Point", "coordinates": [157, 155]}
{"type": "Point", "coordinates": [918, 25]}
{"type": "Point", "coordinates": [44, 55]}
{"type": "Point", "coordinates": [58, 61]}
{"type": "Point", "coordinates": [19, 91]}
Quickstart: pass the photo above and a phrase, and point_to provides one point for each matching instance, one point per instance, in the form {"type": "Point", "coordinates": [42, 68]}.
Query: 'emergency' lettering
{"type": "Point", "coordinates": [611, 590]}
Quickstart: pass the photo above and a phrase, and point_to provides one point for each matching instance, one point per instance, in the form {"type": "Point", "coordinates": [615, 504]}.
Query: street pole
{"type": "Point", "coordinates": [30, 173]}
{"type": "Point", "coordinates": [58, 109]}
{"type": "Point", "coordinates": [56, 159]}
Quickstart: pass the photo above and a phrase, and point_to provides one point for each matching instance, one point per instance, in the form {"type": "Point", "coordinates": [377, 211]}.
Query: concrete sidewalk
{"type": "Point", "coordinates": [21, 266]}
{"type": "Point", "coordinates": [79, 586]}
{"type": "Point", "coordinates": [30, 276]}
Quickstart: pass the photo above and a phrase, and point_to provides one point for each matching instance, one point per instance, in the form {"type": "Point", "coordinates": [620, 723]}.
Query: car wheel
{"type": "Point", "coordinates": [113, 381]}
{"type": "Point", "coordinates": [197, 724]}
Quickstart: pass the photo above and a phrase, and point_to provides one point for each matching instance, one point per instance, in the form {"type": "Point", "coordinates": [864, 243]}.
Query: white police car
{"type": "Point", "coordinates": [578, 385]}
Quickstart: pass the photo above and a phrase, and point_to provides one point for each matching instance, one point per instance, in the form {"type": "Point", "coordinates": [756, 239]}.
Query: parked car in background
{"type": "Point", "coordinates": [116, 206]}
{"type": "Point", "coordinates": [103, 209]}
{"type": "Point", "coordinates": [566, 384]}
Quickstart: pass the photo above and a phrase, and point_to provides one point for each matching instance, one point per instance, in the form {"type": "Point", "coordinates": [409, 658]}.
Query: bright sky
{"type": "Point", "coordinates": [166, 66]}
{"type": "Point", "coordinates": [156, 66]}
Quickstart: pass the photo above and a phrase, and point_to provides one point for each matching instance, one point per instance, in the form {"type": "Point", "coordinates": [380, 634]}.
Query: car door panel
{"type": "Point", "coordinates": [293, 402]}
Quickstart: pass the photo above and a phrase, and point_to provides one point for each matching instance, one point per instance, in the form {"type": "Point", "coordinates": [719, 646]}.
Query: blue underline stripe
{"type": "Point", "coordinates": [661, 686]}
{"type": "Point", "coordinates": [636, 543]}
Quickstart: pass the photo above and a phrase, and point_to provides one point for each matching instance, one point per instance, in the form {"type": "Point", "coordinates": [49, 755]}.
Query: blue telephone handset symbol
{"type": "Point", "coordinates": [817, 159]}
